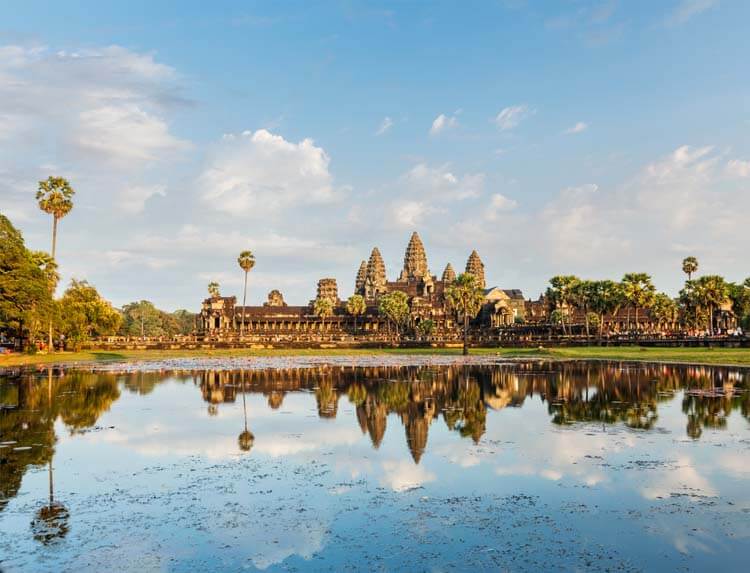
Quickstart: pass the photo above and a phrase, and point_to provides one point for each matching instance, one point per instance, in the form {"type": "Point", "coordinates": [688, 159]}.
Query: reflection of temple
{"type": "Point", "coordinates": [425, 293]}
{"type": "Point", "coordinates": [416, 397]}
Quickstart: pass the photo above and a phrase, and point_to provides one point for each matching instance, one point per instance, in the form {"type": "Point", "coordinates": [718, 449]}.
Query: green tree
{"type": "Point", "coordinates": [25, 293]}
{"type": "Point", "coordinates": [213, 289]}
{"type": "Point", "coordinates": [323, 308]}
{"type": "Point", "coordinates": [606, 298]}
{"type": "Point", "coordinates": [562, 294]}
{"type": "Point", "coordinates": [739, 294]}
{"type": "Point", "coordinates": [584, 293]}
{"type": "Point", "coordinates": [84, 314]}
{"type": "Point", "coordinates": [246, 260]}
{"type": "Point", "coordinates": [638, 291]}
{"type": "Point", "coordinates": [425, 328]}
{"type": "Point", "coordinates": [55, 197]}
{"type": "Point", "coordinates": [690, 267]}
{"type": "Point", "coordinates": [356, 306]}
{"type": "Point", "coordinates": [185, 321]}
{"type": "Point", "coordinates": [144, 319]}
{"type": "Point", "coordinates": [465, 296]}
{"type": "Point", "coordinates": [712, 291]}
{"type": "Point", "coordinates": [664, 310]}
{"type": "Point", "coordinates": [394, 306]}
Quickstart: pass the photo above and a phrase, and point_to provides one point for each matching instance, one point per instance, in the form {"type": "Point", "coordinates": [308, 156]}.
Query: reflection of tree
{"type": "Point", "coordinates": [246, 438]}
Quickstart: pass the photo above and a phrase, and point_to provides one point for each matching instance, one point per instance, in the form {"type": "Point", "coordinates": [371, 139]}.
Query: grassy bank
{"type": "Point", "coordinates": [728, 356]}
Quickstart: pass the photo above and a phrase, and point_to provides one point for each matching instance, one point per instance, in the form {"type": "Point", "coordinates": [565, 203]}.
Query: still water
{"type": "Point", "coordinates": [509, 466]}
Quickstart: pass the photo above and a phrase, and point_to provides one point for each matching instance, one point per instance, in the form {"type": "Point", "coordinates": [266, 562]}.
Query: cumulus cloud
{"type": "Point", "coordinates": [409, 214]}
{"type": "Point", "coordinates": [441, 183]}
{"type": "Point", "coordinates": [510, 117]}
{"type": "Point", "coordinates": [738, 168]}
{"type": "Point", "coordinates": [133, 200]}
{"type": "Point", "coordinates": [443, 123]}
{"type": "Point", "coordinates": [385, 126]}
{"type": "Point", "coordinates": [499, 204]}
{"type": "Point", "coordinates": [255, 174]}
{"type": "Point", "coordinates": [108, 100]}
{"type": "Point", "coordinates": [687, 9]}
{"type": "Point", "coordinates": [577, 128]}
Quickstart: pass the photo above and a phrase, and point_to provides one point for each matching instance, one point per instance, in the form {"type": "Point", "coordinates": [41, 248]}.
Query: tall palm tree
{"type": "Point", "coordinates": [246, 260]}
{"type": "Point", "coordinates": [712, 291]}
{"type": "Point", "coordinates": [55, 197]}
{"type": "Point", "coordinates": [639, 291]}
{"type": "Point", "coordinates": [690, 266]}
{"type": "Point", "coordinates": [213, 289]}
{"type": "Point", "coordinates": [466, 297]}
{"type": "Point", "coordinates": [356, 306]}
{"type": "Point", "coordinates": [562, 293]}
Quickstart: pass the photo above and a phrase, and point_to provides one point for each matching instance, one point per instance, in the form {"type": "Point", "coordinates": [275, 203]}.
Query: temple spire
{"type": "Point", "coordinates": [359, 283]}
{"type": "Point", "coordinates": [449, 275]}
{"type": "Point", "coordinates": [475, 266]}
{"type": "Point", "coordinates": [415, 260]}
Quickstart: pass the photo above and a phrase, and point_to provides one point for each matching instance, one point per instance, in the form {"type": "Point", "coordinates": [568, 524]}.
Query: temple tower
{"type": "Point", "coordinates": [375, 278]}
{"type": "Point", "coordinates": [359, 283]}
{"type": "Point", "coordinates": [449, 275]}
{"type": "Point", "coordinates": [475, 266]}
{"type": "Point", "coordinates": [327, 288]}
{"type": "Point", "coordinates": [415, 260]}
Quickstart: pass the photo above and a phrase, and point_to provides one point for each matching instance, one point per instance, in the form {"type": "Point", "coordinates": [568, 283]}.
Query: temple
{"type": "Point", "coordinates": [424, 291]}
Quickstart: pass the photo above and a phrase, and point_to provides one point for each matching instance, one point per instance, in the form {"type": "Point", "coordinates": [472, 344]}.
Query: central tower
{"type": "Point", "coordinates": [415, 261]}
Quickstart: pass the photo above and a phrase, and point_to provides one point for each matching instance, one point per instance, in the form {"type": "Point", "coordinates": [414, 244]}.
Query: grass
{"type": "Point", "coordinates": [718, 356]}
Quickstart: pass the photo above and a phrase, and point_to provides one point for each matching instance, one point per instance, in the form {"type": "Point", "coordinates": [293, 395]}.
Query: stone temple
{"type": "Point", "coordinates": [425, 293]}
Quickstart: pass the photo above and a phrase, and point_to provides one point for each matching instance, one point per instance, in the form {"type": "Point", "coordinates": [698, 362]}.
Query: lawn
{"type": "Point", "coordinates": [727, 356]}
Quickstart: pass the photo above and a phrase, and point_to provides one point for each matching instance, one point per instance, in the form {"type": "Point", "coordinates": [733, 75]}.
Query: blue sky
{"type": "Point", "coordinates": [586, 137]}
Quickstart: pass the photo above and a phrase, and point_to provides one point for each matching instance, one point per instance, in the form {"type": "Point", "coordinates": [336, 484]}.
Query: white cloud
{"type": "Point", "coordinates": [403, 475]}
{"type": "Point", "coordinates": [577, 128]}
{"type": "Point", "coordinates": [409, 214]}
{"type": "Point", "coordinates": [499, 204]}
{"type": "Point", "coordinates": [686, 9]}
{"type": "Point", "coordinates": [133, 199]}
{"type": "Point", "coordinates": [441, 183]}
{"type": "Point", "coordinates": [510, 117]}
{"type": "Point", "coordinates": [384, 126]}
{"type": "Point", "coordinates": [257, 174]}
{"type": "Point", "coordinates": [442, 123]}
{"type": "Point", "coordinates": [738, 168]}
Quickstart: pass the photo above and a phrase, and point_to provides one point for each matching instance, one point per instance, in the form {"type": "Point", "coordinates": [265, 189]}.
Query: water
{"type": "Point", "coordinates": [520, 466]}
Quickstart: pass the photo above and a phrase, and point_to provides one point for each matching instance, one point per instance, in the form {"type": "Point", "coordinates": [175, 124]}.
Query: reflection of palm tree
{"type": "Point", "coordinates": [51, 521]}
{"type": "Point", "coordinates": [246, 438]}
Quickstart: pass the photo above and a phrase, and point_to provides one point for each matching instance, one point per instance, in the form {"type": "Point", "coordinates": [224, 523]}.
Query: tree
{"type": "Point", "coordinates": [712, 291]}
{"type": "Point", "coordinates": [356, 306]}
{"type": "Point", "coordinates": [144, 319]}
{"type": "Point", "coordinates": [690, 266]}
{"type": "Point", "coordinates": [323, 308]}
{"type": "Point", "coordinates": [583, 294]}
{"type": "Point", "coordinates": [213, 289]}
{"type": "Point", "coordinates": [664, 310]}
{"type": "Point", "coordinates": [606, 298]}
{"type": "Point", "coordinates": [562, 294]}
{"type": "Point", "coordinates": [465, 297]}
{"type": "Point", "coordinates": [85, 314]}
{"type": "Point", "coordinates": [246, 260]}
{"type": "Point", "coordinates": [394, 306]}
{"type": "Point", "coordinates": [25, 294]}
{"type": "Point", "coordinates": [185, 321]}
{"type": "Point", "coordinates": [426, 327]}
{"type": "Point", "coordinates": [55, 197]}
{"type": "Point", "coordinates": [739, 294]}
{"type": "Point", "coordinates": [639, 291]}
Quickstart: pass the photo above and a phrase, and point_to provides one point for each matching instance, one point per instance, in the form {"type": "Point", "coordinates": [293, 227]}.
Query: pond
{"type": "Point", "coordinates": [387, 465]}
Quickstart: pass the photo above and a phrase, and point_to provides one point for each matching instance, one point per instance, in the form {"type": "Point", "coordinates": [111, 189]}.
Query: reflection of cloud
{"type": "Point", "coordinates": [314, 439]}
{"type": "Point", "coordinates": [404, 475]}
{"type": "Point", "coordinates": [679, 478]}
{"type": "Point", "coordinates": [284, 540]}
{"type": "Point", "coordinates": [736, 465]}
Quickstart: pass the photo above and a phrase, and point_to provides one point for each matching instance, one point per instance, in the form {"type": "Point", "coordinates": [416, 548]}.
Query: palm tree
{"type": "Point", "coordinates": [213, 289]}
{"type": "Point", "coordinates": [356, 306]}
{"type": "Point", "coordinates": [639, 291]}
{"type": "Point", "coordinates": [712, 291]}
{"type": "Point", "coordinates": [246, 260]}
{"type": "Point", "coordinates": [664, 310]}
{"type": "Point", "coordinates": [323, 308]}
{"type": "Point", "coordinates": [583, 293]}
{"type": "Point", "coordinates": [690, 266]}
{"type": "Point", "coordinates": [55, 197]}
{"type": "Point", "coordinates": [466, 297]}
{"type": "Point", "coordinates": [606, 298]}
{"type": "Point", "coordinates": [562, 293]}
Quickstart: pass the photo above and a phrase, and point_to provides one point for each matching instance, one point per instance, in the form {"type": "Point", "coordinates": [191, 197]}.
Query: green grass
{"type": "Point", "coordinates": [727, 356]}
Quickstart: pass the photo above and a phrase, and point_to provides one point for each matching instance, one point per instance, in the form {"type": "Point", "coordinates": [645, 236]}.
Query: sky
{"type": "Point", "coordinates": [581, 137]}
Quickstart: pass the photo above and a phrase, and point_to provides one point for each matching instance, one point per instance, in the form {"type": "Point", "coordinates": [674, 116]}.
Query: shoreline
{"type": "Point", "coordinates": [727, 357]}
